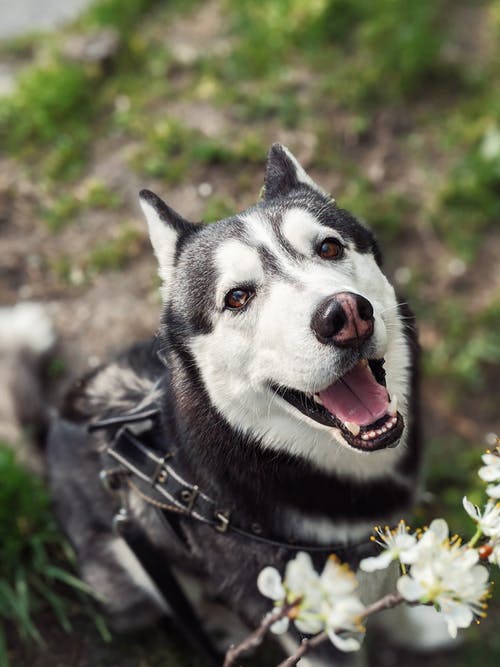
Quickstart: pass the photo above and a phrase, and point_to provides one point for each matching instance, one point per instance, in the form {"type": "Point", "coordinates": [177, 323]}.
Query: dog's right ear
{"type": "Point", "coordinates": [166, 227]}
{"type": "Point", "coordinates": [284, 174]}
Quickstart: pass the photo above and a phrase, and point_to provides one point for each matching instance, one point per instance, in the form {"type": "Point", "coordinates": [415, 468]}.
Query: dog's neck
{"type": "Point", "coordinates": [268, 487]}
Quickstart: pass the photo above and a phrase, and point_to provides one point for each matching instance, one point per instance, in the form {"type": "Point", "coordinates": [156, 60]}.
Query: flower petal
{"type": "Point", "coordinates": [280, 626]}
{"type": "Point", "coordinates": [374, 563]}
{"type": "Point", "coordinates": [471, 509]}
{"type": "Point", "coordinates": [269, 584]}
{"type": "Point", "coordinates": [346, 644]}
{"type": "Point", "coordinates": [440, 529]}
{"type": "Point", "coordinates": [309, 626]}
{"type": "Point", "coordinates": [493, 490]}
{"type": "Point", "coordinates": [410, 589]}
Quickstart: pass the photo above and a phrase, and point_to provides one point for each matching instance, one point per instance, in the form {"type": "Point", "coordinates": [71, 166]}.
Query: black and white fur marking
{"type": "Point", "coordinates": [227, 377]}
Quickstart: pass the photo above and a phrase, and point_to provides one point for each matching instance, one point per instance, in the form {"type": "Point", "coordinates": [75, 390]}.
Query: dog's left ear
{"type": "Point", "coordinates": [166, 227]}
{"type": "Point", "coordinates": [284, 174]}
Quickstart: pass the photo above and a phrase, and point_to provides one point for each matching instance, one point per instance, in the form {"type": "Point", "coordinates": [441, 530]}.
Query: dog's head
{"type": "Point", "coordinates": [294, 329]}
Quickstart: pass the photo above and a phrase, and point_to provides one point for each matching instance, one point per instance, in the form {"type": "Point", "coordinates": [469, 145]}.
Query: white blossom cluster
{"type": "Point", "coordinates": [436, 569]}
{"type": "Point", "coordinates": [326, 601]}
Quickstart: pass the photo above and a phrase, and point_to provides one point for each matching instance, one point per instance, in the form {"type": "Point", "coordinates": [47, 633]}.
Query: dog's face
{"type": "Point", "coordinates": [293, 327]}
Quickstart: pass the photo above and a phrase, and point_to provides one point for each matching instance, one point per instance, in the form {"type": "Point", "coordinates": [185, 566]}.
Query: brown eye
{"type": "Point", "coordinates": [237, 298]}
{"type": "Point", "coordinates": [330, 249]}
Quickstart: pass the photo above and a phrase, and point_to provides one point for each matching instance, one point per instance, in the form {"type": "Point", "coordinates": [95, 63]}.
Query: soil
{"type": "Point", "coordinates": [97, 315]}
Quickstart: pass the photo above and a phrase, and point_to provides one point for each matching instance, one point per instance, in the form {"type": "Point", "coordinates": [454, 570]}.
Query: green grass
{"type": "Point", "coordinates": [344, 74]}
{"type": "Point", "coordinates": [340, 40]}
{"type": "Point", "coordinates": [91, 195]}
{"type": "Point", "coordinates": [36, 564]}
{"type": "Point", "coordinates": [115, 254]}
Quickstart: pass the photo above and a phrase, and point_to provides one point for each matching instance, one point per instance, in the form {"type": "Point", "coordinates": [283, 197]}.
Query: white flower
{"type": "Point", "coordinates": [446, 574]}
{"type": "Point", "coordinates": [269, 584]}
{"type": "Point", "coordinates": [326, 600]}
{"type": "Point", "coordinates": [431, 540]}
{"type": "Point", "coordinates": [490, 146]}
{"type": "Point", "coordinates": [489, 520]}
{"type": "Point", "coordinates": [301, 582]}
{"type": "Point", "coordinates": [491, 472]}
{"type": "Point", "coordinates": [344, 616]}
{"type": "Point", "coordinates": [337, 579]}
{"type": "Point", "coordinates": [494, 557]}
{"type": "Point", "coordinates": [395, 544]}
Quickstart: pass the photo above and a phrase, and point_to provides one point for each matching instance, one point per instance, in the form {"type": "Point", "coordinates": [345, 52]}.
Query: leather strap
{"type": "Point", "coordinates": [155, 469]}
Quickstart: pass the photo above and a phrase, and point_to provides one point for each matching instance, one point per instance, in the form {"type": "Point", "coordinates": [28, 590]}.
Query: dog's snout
{"type": "Point", "coordinates": [344, 319]}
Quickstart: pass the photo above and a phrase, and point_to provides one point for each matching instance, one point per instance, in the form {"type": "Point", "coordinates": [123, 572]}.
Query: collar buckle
{"type": "Point", "coordinates": [189, 495]}
{"type": "Point", "coordinates": [222, 517]}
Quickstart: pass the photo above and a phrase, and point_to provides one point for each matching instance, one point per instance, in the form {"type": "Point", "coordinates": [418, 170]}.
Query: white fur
{"type": "Point", "coordinates": [302, 230]}
{"type": "Point", "coordinates": [302, 175]}
{"type": "Point", "coordinates": [26, 325]}
{"type": "Point", "coordinates": [163, 239]}
{"type": "Point", "coordinates": [239, 264]}
{"type": "Point", "coordinates": [307, 527]}
{"type": "Point", "coordinates": [114, 384]}
{"type": "Point", "coordinates": [273, 341]}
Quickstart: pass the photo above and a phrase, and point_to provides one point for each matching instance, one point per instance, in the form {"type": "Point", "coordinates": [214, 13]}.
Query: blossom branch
{"type": "Point", "coordinates": [387, 602]}
{"type": "Point", "coordinates": [255, 639]}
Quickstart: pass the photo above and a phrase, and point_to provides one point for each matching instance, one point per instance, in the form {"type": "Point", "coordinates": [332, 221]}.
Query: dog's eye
{"type": "Point", "coordinates": [237, 298]}
{"type": "Point", "coordinates": [330, 249]}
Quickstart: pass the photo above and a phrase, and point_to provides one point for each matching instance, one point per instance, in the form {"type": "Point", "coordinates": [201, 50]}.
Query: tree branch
{"type": "Point", "coordinates": [387, 602]}
{"type": "Point", "coordinates": [255, 639]}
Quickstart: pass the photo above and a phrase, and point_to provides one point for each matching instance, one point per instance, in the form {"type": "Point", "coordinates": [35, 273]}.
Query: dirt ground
{"type": "Point", "coordinates": [97, 313]}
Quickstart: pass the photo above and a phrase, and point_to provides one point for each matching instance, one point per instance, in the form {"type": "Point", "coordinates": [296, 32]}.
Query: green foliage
{"type": "Point", "coordinates": [122, 16]}
{"type": "Point", "coordinates": [470, 199]}
{"type": "Point", "coordinates": [468, 347]}
{"type": "Point", "coordinates": [217, 208]}
{"type": "Point", "coordinates": [62, 212]}
{"type": "Point", "coordinates": [343, 39]}
{"type": "Point", "coordinates": [115, 254]}
{"type": "Point", "coordinates": [49, 100]}
{"type": "Point", "coordinates": [170, 149]}
{"type": "Point", "coordinates": [67, 206]}
{"type": "Point", "coordinates": [34, 558]}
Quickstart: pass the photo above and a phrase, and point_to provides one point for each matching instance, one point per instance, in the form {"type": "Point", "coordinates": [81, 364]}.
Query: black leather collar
{"type": "Point", "coordinates": [156, 471]}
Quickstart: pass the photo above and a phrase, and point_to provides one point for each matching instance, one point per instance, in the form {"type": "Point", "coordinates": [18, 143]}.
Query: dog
{"type": "Point", "coordinates": [284, 379]}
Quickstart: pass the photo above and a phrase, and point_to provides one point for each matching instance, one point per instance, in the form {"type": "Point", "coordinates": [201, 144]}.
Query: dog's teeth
{"type": "Point", "coordinates": [365, 436]}
{"type": "Point", "coordinates": [393, 406]}
{"type": "Point", "coordinates": [371, 434]}
{"type": "Point", "coordinates": [394, 421]}
{"type": "Point", "coordinates": [317, 399]}
{"type": "Point", "coordinates": [352, 427]}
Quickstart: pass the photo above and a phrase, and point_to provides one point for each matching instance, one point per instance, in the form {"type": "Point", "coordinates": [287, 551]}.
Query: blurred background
{"type": "Point", "coordinates": [392, 106]}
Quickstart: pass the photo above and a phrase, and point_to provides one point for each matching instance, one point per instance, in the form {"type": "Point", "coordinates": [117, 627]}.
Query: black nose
{"type": "Point", "coordinates": [344, 319]}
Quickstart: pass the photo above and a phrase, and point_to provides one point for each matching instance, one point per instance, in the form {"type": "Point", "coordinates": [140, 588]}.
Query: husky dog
{"type": "Point", "coordinates": [284, 368]}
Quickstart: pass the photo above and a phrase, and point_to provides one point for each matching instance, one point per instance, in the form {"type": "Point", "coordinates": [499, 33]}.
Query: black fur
{"type": "Point", "coordinates": [256, 484]}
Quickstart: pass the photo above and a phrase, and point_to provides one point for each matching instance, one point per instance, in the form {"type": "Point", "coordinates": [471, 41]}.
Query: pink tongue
{"type": "Point", "coordinates": [357, 397]}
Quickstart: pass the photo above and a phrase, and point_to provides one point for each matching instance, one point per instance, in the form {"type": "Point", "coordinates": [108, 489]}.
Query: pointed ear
{"type": "Point", "coordinates": [284, 174]}
{"type": "Point", "coordinates": [166, 227]}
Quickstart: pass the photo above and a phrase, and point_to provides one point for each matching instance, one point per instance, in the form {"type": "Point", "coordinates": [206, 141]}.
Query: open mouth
{"type": "Point", "coordinates": [358, 404]}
